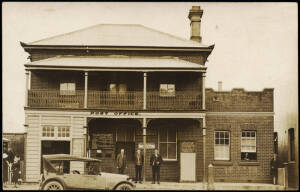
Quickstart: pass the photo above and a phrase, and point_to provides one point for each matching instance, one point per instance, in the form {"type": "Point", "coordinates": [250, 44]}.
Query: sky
{"type": "Point", "coordinates": [256, 44]}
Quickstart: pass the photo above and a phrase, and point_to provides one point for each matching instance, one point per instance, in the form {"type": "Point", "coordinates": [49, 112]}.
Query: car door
{"type": "Point", "coordinates": [100, 181]}
{"type": "Point", "coordinates": [80, 181]}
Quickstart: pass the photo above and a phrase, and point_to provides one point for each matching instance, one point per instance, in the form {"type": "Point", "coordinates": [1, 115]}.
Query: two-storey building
{"type": "Point", "coordinates": [94, 91]}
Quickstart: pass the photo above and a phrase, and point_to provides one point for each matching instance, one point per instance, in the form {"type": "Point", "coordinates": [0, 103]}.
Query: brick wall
{"type": "Point", "coordinates": [239, 100]}
{"type": "Point", "coordinates": [237, 171]}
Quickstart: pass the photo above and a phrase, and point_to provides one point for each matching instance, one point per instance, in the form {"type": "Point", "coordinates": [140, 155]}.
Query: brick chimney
{"type": "Point", "coordinates": [219, 85]}
{"type": "Point", "coordinates": [195, 15]}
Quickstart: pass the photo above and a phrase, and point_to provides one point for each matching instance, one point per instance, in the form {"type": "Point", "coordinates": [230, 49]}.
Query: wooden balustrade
{"type": "Point", "coordinates": [108, 100]}
{"type": "Point", "coordinates": [181, 100]}
{"type": "Point", "coordinates": [55, 98]}
{"type": "Point", "coordinates": [130, 100]}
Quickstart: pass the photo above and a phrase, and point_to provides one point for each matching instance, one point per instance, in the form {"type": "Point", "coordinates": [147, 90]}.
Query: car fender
{"type": "Point", "coordinates": [54, 179]}
{"type": "Point", "coordinates": [121, 182]}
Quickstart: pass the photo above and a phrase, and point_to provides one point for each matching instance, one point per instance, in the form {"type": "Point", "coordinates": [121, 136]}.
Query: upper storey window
{"type": "Point", "coordinates": [67, 88]}
{"type": "Point", "coordinates": [117, 88]}
{"type": "Point", "coordinates": [167, 90]}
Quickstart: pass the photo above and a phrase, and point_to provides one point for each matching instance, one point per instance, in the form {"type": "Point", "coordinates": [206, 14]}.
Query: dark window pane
{"type": "Point", "coordinates": [172, 151]}
{"type": "Point", "coordinates": [163, 135]}
{"type": "Point", "coordinates": [163, 150]}
{"type": "Point", "coordinates": [227, 141]}
{"type": "Point", "coordinates": [171, 135]}
{"type": "Point", "coordinates": [248, 134]}
{"type": "Point", "coordinates": [217, 134]}
{"type": "Point", "coordinates": [221, 134]}
{"type": "Point", "coordinates": [252, 134]}
{"type": "Point", "coordinates": [52, 134]}
{"type": "Point", "coordinates": [243, 134]}
{"type": "Point", "coordinates": [217, 141]}
{"type": "Point", "coordinates": [226, 134]}
{"type": "Point", "coordinates": [222, 141]}
{"type": "Point", "coordinates": [67, 135]}
{"type": "Point", "coordinates": [44, 134]}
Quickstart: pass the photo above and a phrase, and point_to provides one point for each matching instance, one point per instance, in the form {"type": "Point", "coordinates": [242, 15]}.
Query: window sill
{"type": "Point", "coordinates": [222, 162]}
{"type": "Point", "coordinates": [245, 163]}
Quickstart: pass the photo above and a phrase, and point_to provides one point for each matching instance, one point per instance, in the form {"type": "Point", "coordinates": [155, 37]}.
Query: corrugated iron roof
{"type": "Point", "coordinates": [116, 62]}
{"type": "Point", "coordinates": [118, 35]}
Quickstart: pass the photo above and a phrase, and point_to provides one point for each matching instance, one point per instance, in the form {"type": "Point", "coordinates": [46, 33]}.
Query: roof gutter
{"type": "Point", "coordinates": [130, 48]}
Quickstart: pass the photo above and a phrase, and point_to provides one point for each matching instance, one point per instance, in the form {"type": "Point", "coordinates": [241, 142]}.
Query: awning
{"type": "Point", "coordinates": [117, 63]}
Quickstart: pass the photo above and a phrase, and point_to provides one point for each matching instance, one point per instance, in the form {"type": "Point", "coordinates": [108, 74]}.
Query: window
{"type": "Point", "coordinates": [48, 131]}
{"type": "Point", "coordinates": [63, 131]}
{"type": "Point", "coordinates": [168, 143]}
{"type": "Point", "coordinates": [248, 145]}
{"type": "Point", "coordinates": [292, 144]}
{"type": "Point", "coordinates": [120, 88]}
{"type": "Point", "coordinates": [167, 90]}
{"type": "Point", "coordinates": [222, 145]}
{"type": "Point", "coordinates": [67, 88]}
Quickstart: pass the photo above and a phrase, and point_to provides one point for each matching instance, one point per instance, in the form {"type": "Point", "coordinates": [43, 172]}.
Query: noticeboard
{"type": "Point", "coordinates": [102, 140]}
{"type": "Point", "coordinates": [188, 147]}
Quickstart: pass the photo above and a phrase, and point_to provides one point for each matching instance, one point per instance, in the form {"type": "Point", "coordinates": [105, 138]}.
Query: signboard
{"type": "Point", "coordinates": [115, 113]}
{"type": "Point", "coordinates": [148, 146]}
{"type": "Point", "coordinates": [102, 140]}
{"type": "Point", "coordinates": [188, 147]}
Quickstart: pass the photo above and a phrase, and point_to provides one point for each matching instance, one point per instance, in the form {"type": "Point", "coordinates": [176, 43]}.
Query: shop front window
{"type": "Point", "coordinates": [168, 143]}
{"type": "Point", "coordinates": [248, 145]}
{"type": "Point", "coordinates": [222, 145]}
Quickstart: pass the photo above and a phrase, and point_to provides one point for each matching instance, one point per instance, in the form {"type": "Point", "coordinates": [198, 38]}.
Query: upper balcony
{"type": "Point", "coordinates": [115, 90]}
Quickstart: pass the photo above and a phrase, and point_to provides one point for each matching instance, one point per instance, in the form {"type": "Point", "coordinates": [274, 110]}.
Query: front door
{"type": "Point", "coordinates": [187, 162]}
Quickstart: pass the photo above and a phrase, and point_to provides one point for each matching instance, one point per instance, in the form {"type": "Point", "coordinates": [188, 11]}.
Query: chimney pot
{"type": "Point", "coordinates": [219, 85]}
{"type": "Point", "coordinates": [195, 16]}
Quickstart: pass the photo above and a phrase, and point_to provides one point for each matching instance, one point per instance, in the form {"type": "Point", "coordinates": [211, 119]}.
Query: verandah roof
{"type": "Point", "coordinates": [116, 62]}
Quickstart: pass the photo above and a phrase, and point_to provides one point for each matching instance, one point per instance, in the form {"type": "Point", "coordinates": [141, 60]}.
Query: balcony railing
{"type": "Point", "coordinates": [130, 100]}
{"type": "Point", "coordinates": [55, 99]}
{"type": "Point", "coordinates": [182, 100]}
{"type": "Point", "coordinates": [108, 100]}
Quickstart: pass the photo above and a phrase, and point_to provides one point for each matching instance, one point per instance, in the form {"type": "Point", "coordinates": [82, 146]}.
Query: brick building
{"type": "Point", "coordinates": [94, 91]}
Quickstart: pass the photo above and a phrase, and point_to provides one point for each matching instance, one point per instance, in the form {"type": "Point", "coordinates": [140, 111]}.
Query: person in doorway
{"type": "Point", "coordinates": [5, 167]}
{"type": "Point", "coordinates": [16, 170]}
{"type": "Point", "coordinates": [274, 168]}
{"type": "Point", "coordinates": [121, 162]}
{"type": "Point", "coordinates": [138, 160]}
{"type": "Point", "coordinates": [155, 162]}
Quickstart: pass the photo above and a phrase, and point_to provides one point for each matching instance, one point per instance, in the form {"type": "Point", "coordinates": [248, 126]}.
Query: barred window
{"type": "Point", "coordinates": [167, 90]}
{"type": "Point", "coordinates": [63, 131]}
{"type": "Point", "coordinates": [48, 131]}
{"type": "Point", "coordinates": [248, 145]}
{"type": "Point", "coordinates": [67, 88]}
{"type": "Point", "coordinates": [168, 143]}
{"type": "Point", "coordinates": [222, 145]}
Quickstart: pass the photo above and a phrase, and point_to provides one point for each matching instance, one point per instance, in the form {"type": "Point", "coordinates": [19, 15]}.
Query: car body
{"type": "Point", "coordinates": [56, 177]}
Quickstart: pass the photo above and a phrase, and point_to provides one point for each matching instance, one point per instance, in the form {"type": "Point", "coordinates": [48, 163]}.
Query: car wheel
{"type": "Point", "coordinates": [124, 187]}
{"type": "Point", "coordinates": [53, 185]}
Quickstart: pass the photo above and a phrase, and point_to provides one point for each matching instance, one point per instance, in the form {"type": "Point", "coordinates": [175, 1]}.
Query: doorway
{"type": "Point", "coordinates": [56, 147]}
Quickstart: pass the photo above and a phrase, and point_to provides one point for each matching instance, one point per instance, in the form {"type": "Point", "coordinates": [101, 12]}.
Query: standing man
{"type": "Point", "coordinates": [155, 162]}
{"type": "Point", "coordinates": [274, 167]}
{"type": "Point", "coordinates": [138, 160]}
{"type": "Point", "coordinates": [121, 162]}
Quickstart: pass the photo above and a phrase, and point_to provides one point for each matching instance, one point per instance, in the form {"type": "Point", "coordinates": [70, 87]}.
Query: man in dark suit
{"type": "Point", "coordinates": [138, 160]}
{"type": "Point", "coordinates": [121, 162]}
{"type": "Point", "coordinates": [155, 162]}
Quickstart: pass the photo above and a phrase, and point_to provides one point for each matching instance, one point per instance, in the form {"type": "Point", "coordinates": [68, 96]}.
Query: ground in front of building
{"type": "Point", "coordinates": [178, 186]}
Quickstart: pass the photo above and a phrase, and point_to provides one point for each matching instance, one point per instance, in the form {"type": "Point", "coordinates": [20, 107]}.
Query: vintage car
{"type": "Point", "coordinates": [57, 175]}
